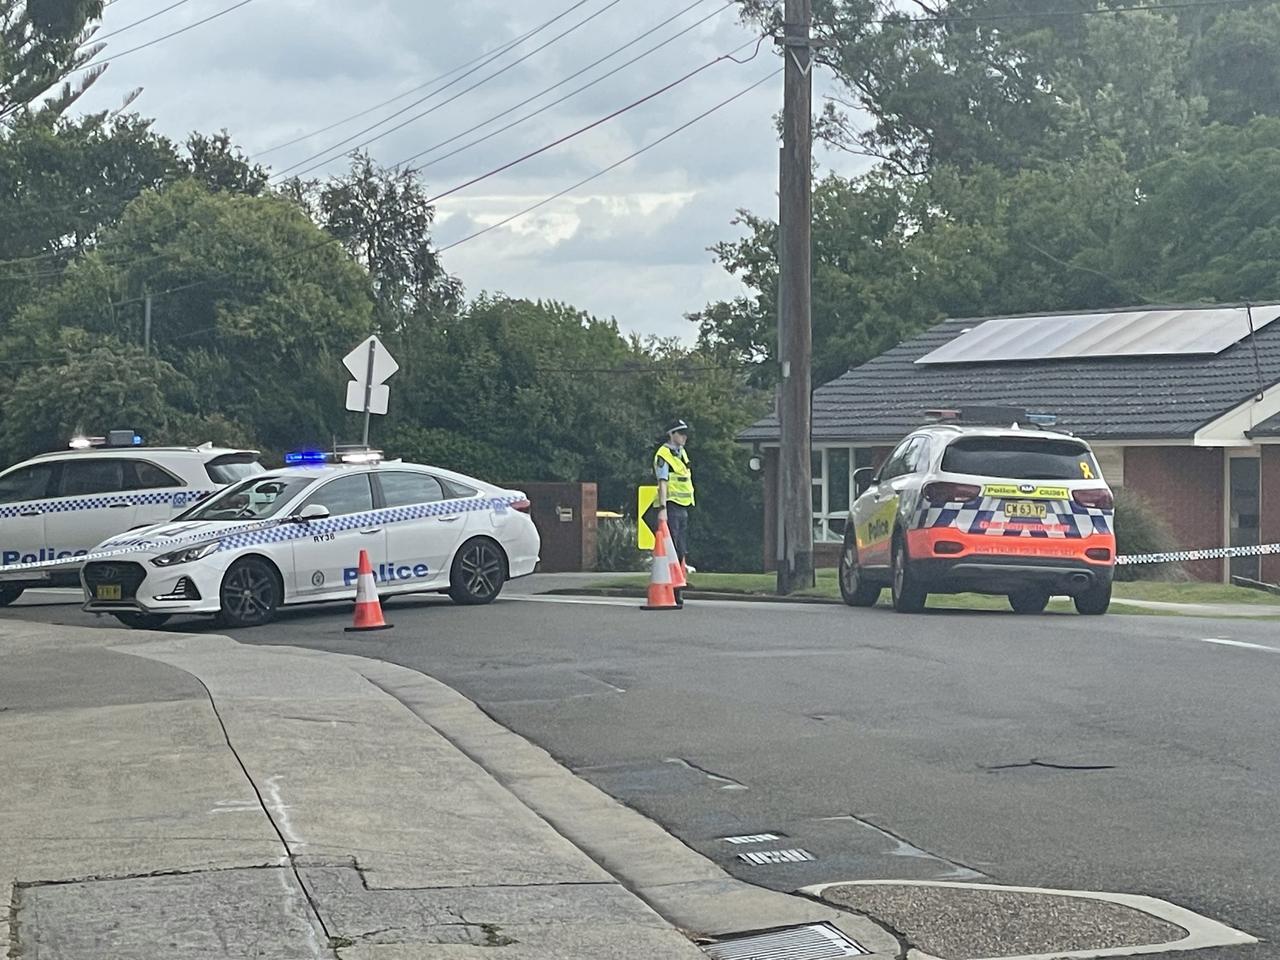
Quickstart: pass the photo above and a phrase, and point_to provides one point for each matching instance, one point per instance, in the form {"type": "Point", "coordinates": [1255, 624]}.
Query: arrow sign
{"type": "Point", "coordinates": [371, 364]}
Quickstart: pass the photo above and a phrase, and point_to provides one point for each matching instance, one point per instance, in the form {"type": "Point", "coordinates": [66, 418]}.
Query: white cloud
{"type": "Point", "coordinates": [631, 245]}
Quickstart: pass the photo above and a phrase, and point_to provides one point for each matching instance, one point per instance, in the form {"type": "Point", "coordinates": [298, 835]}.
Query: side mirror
{"type": "Point", "coordinates": [862, 478]}
{"type": "Point", "coordinates": [312, 511]}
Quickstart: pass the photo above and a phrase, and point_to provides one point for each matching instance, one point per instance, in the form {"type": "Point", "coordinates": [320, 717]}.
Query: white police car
{"type": "Point", "coordinates": [59, 505]}
{"type": "Point", "coordinates": [294, 536]}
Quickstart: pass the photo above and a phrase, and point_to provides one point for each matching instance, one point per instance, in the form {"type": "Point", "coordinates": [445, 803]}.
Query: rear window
{"type": "Point", "coordinates": [1020, 458]}
{"type": "Point", "coordinates": [231, 467]}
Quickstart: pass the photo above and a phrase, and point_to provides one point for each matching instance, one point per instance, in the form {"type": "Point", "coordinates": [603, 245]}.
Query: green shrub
{"type": "Point", "coordinates": [1140, 528]}
{"type": "Point", "coordinates": [616, 545]}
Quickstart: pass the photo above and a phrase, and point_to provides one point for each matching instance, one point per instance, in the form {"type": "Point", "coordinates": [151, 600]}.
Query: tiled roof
{"type": "Point", "coordinates": [1108, 398]}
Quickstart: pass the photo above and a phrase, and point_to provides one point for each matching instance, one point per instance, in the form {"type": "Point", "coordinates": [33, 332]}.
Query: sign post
{"type": "Point", "coordinates": [371, 364]}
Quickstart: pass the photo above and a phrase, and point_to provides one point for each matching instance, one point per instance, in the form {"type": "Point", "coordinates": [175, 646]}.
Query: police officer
{"type": "Point", "coordinates": [675, 488]}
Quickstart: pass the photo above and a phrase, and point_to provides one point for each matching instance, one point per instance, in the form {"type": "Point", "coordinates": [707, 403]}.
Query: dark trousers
{"type": "Point", "coordinates": [678, 524]}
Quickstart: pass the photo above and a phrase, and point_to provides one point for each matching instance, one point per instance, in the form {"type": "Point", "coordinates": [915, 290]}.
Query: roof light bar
{"type": "Point", "coordinates": [992, 416]}
{"type": "Point", "coordinates": [114, 438]}
{"type": "Point", "coordinates": [351, 455]}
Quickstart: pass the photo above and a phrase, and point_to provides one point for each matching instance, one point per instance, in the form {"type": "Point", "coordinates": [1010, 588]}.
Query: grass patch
{"type": "Point", "coordinates": [827, 586]}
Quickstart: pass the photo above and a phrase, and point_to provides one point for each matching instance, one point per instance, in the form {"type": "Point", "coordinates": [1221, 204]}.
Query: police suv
{"type": "Point", "coordinates": [294, 536]}
{"type": "Point", "coordinates": [1023, 513]}
{"type": "Point", "coordinates": [59, 505]}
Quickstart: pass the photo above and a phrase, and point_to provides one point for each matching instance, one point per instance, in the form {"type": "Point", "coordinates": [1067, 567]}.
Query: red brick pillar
{"type": "Point", "coordinates": [1185, 485]}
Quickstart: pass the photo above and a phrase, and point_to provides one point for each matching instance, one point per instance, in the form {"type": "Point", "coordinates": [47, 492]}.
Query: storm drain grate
{"type": "Point", "coordinates": [762, 857]}
{"type": "Point", "coordinates": [815, 941]}
{"type": "Point", "coordinates": [753, 838]}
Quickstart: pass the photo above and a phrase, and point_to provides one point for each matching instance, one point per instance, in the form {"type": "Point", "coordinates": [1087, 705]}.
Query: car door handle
{"type": "Point", "coordinates": [447, 519]}
{"type": "Point", "coordinates": [31, 513]}
{"type": "Point", "coordinates": [118, 506]}
{"type": "Point", "coordinates": [365, 533]}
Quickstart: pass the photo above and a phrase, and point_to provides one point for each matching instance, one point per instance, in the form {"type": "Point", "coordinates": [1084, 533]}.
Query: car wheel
{"type": "Point", "coordinates": [1094, 601]}
{"type": "Point", "coordinates": [854, 588]}
{"type": "Point", "coordinates": [908, 595]}
{"type": "Point", "coordinates": [250, 594]}
{"type": "Point", "coordinates": [142, 621]}
{"type": "Point", "coordinates": [479, 570]}
{"type": "Point", "coordinates": [9, 593]}
{"type": "Point", "coordinates": [1029, 600]}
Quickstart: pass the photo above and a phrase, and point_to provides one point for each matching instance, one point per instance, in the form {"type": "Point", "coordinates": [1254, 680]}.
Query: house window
{"type": "Point", "coordinates": [833, 489]}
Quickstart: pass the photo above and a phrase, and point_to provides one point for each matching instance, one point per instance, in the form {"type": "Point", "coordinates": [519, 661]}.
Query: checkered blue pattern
{"type": "Point", "coordinates": [1066, 519]}
{"type": "Point", "coordinates": [283, 532]}
{"type": "Point", "coordinates": [280, 531]}
{"type": "Point", "coordinates": [179, 499]}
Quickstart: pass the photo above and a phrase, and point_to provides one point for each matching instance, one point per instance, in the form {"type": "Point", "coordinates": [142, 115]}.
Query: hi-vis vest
{"type": "Point", "coordinates": [679, 477]}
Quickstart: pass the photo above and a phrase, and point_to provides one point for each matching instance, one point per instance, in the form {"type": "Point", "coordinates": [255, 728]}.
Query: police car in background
{"type": "Point", "coordinates": [59, 505]}
{"type": "Point", "coordinates": [294, 536]}
{"type": "Point", "coordinates": [957, 507]}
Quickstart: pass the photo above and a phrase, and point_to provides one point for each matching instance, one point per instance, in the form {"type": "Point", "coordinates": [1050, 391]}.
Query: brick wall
{"type": "Point", "coordinates": [1185, 484]}
{"type": "Point", "coordinates": [565, 515]}
{"type": "Point", "coordinates": [1271, 510]}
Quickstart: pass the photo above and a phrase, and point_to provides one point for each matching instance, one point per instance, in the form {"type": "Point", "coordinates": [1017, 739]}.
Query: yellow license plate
{"type": "Point", "coordinates": [1025, 508]}
{"type": "Point", "coordinates": [107, 591]}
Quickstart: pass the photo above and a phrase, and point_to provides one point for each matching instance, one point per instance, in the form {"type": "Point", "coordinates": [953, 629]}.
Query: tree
{"type": "Point", "coordinates": [41, 42]}
{"type": "Point", "coordinates": [222, 167]}
{"type": "Point", "coordinates": [1208, 226]}
{"type": "Point", "coordinates": [893, 255]}
{"type": "Point", "coordinates": [252, 303]}
{"type": "Point", "coordinates": [382, 218]}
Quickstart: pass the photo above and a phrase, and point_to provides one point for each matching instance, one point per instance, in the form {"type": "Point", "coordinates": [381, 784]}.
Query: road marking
{"type": "Point", "coordinates": [1240, 643]}
{"type": "Point", "coordinates": [1201, 931]}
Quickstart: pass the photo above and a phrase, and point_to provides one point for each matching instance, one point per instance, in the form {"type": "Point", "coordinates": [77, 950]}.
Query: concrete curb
{"type": "Point", "coordinates": [681, 885]}
{"type": "Point", "coordinates": [633, 592]}
{"type": "Point", "coordinates": [1202, 932]}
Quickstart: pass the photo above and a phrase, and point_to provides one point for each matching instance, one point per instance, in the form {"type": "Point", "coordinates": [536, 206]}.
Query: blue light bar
{"type": "Point", "coordinates": [302, 457]}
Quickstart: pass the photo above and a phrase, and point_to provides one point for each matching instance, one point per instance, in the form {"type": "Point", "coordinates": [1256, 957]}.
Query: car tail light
{"type": "Point", "coordinates": [1098, 553]}
{"type": "Point", "coordinates": [1099, 498]}
{"type": "Point", "coordinates": [940, 492]}
{"type": "Point", "coordinates": [948, 547]}
{"type": "Point", "coordinates": [521, 505]}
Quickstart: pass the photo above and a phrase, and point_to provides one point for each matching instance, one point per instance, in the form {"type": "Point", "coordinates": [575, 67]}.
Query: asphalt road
{"type": "Point", "coordinates": [1120, 753]}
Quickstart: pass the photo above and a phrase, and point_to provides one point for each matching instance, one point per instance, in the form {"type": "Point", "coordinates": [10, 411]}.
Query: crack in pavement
{"type": "Point", "coordinates": [1047, 765]}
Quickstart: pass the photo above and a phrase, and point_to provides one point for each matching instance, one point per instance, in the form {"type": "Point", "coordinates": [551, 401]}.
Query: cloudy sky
{"type": "Point", "coordinates": [631, 244]}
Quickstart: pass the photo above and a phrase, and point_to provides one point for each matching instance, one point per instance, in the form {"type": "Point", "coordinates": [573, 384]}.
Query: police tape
{"type": "Point", "coordinates": [1208, 553]}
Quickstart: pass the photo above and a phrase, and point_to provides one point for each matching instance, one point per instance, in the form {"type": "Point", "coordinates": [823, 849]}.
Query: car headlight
{"type": "Point", "coordinates": [186, 555]}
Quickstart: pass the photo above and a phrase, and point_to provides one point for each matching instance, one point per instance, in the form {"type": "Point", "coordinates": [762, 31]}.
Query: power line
{"type": "Point", "coordinates": [151, 43]}
{"type": "Point", "coordinates": [429, 110]}
{"type": "Point", "coordinates": [474, 180]}
{"type": "Point", "coordinates": [488, 57]}
{"type": "Point", "coordinates": [136, 23]}
{"type": "Point", "coordinates": [570, 94]}
{"type": "Point", "coordinates": [595, 123]}
{"type": "Point", "coordinates": [613, 166]}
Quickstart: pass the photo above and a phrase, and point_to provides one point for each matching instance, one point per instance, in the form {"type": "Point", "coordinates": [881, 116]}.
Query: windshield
{"type": "Point", "coordinates": [231, 467]}
{"type": "Point", "coordinates": [1020, 458]}
{"type": "Point", "coordinates": [253, 499]}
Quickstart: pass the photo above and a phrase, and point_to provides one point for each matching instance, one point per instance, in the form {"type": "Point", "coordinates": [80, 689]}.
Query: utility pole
{"type": "Point", "coordinates": [146, 321]}
{"type": "Point", "coordinates": [795, 334]}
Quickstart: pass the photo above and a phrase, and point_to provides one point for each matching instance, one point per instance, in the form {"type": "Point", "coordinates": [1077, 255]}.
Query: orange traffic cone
{"type": "Point", "coordinates": [661, 595]}
{"type": "Point", "coordinates": [368, 607]}
{"type": "Point", "coordinates": [679, 580]}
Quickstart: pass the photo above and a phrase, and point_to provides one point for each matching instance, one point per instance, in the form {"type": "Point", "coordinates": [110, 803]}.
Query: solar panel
{"type": "Point", "coordinates": [1132, 333]}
